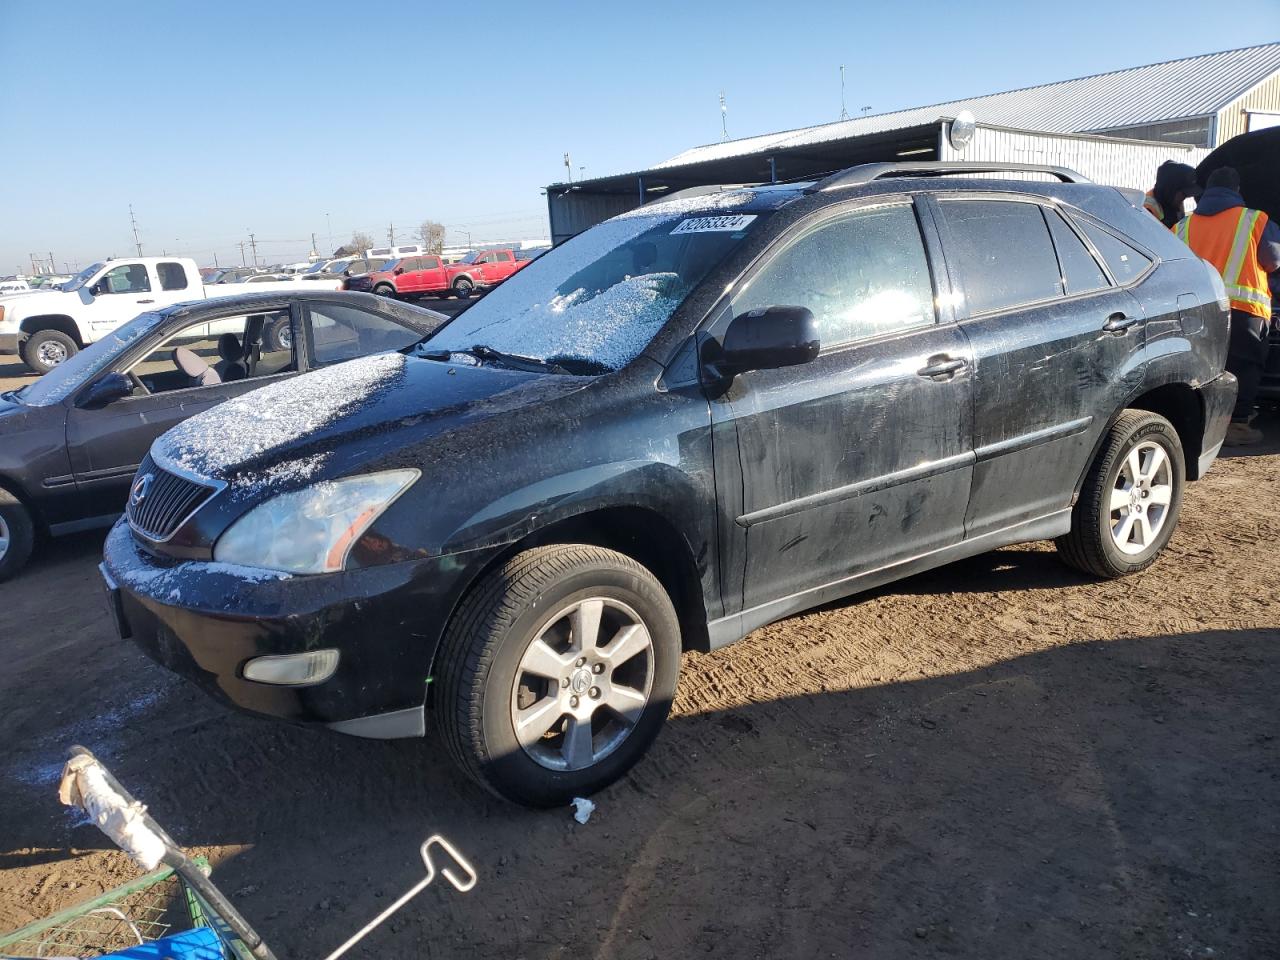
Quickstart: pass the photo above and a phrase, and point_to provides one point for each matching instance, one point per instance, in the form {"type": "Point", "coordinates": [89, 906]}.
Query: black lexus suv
{"type": "Point", "coordinates": [691, 420]}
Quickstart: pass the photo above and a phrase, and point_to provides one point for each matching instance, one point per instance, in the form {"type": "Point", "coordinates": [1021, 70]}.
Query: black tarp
{"type": "Point", "coordinates": [1256, 156]}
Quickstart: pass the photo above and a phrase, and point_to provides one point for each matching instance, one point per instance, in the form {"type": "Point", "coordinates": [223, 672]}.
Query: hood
{"type": "Point", "coordinates": [36, 301]}
{"type": "Point", "coordinates": [1217, 199]}
{"type": "Point", "coordinates": [329, 422]}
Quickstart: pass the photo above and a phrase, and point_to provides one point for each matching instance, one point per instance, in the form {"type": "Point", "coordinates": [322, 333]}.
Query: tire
{"type": "Point", "coordinates": [484, 680]}
{"type": "Point", "coordinates": [1119, 527]}
{"type": "Point", "coordinates": [280, 335]}
{"type": "Point", "coordinates": [17, 535]}
{"type": "Point", "coordinates": [45, 349]}
{"type": "Point", "coordinates": [463, 288]}
{"type": "Point", "coordinates": [385, 290]}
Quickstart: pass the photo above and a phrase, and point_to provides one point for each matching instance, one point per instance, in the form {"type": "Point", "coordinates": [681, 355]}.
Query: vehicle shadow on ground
{"type": "Point", "coordinates": [1101, 798]}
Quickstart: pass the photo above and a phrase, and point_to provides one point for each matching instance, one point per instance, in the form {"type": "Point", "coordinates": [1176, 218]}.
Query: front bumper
{"type": "Point", "coordinates": [1219, 396]}
{"type": "Point", "coordinates": [205, 620]}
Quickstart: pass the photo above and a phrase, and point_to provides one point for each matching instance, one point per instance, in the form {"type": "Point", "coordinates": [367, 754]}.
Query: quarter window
{"type": "Point", "coordinates": [172, 276]}
{"type": "Point", "coordinates": [862, 275]}
{"type": "Point", "coordinates": [1003, 253]}
{"type": "Point", "coordinates": [1125, 262]}
{"type": "Point", "coordinates": [1079, 270]}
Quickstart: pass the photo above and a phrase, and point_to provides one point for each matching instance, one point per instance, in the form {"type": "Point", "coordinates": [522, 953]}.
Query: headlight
{"type": "Point", "coordinates": [311, 530]}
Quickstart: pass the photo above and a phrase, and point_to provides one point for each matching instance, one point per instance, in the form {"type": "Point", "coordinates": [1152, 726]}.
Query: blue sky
{"type": "Point", "coordinates": [215, 120]}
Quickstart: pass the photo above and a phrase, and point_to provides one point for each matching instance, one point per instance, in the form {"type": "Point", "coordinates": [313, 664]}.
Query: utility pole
{"type": "Point", "coordinates": [844, 113]}
{"type": "Point", "coordinates": [240, 244]}
{"type": "Point", "coordinates": [253, 245]}
{"type": "Point", "coordinates": [724, 118]}
{"type": "Point", "coordinates": [391, 234]}
{"type": "Point", "coordinates": [215, 258]}
{"type": "Point", "coordinates": [137, 244]}
{"type": "Point", "coordinates": [314, 252]}
{"type": "Point", "coordinates": [568, 165]}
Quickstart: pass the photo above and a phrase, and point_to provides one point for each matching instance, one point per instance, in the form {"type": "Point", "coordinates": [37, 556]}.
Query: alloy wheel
{"type": "Point", "coordinates": [582, 684]}
{"type": "Point", "coordinates": [1139, 504]}
{"type": "Point", "coordinates": [5, 538]}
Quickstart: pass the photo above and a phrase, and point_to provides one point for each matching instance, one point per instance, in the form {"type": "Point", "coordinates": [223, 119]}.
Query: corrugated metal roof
{"type": "Point", "coordinates": [1192, 87]}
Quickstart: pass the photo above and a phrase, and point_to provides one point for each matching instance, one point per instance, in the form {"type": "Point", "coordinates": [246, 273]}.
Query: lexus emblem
{"type": "Point", "coordinates": [140, 488]}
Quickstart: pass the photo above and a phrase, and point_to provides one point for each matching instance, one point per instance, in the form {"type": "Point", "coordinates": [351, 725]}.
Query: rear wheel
{"type": "Point", "coordinates": [557, 673]}
{"type": "Point", "coordinates": [463, 288]}
{"type": "Point", "coordinates": [17, 534]}
{"type": "Point", "coordinates": [45, 349]}
{"type": "Point", "coordinates": [1129, 504]}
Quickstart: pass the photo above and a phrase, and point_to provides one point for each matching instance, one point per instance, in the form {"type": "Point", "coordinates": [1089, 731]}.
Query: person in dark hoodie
{"type": "Point", "coordinates": [1244, 246]}
{"type": "Point", "coordinates": [1175, 183]}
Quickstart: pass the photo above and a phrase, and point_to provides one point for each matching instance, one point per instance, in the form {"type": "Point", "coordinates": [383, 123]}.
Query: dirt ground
{"type": "Point", "coordinates": [999, 759]}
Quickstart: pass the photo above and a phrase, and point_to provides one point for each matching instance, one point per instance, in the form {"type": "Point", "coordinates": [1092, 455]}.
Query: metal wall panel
{"type": "Point", "coordinates": [1233, 118]}
{"type": "Point", "coordinates": [1118, 162]}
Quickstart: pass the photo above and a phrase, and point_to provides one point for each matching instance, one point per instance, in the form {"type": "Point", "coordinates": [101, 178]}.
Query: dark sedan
{"type": "Point", "coordinates": [71, 441]}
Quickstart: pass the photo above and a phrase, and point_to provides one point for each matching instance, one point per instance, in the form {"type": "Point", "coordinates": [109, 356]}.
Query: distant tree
{"type": "Point", "coordinates": [431, 234]}
{"type": "Point", "coordinates": [359, 243]}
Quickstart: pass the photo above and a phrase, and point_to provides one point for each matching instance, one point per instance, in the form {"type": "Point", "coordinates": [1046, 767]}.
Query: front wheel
{"type": "Point", "coordinates": [280, 335]}
{"type": "Point", "coordinates": [557, 672]}
{"type": "Point", "coordinates": [1129, 503]}
{"type": "Point", "coordinates": [385, 290]}
{"type": "Point", "coordinates": [45, 349]}
{"type": "Point", "coordinates": [17, 534]}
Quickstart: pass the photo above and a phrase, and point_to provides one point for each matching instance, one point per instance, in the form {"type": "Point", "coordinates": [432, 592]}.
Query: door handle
{"type": "Point", "coordinates": [1119, 323]}
{"type": "Point", "coordinates": [146, 301]}
{"type": "Point", "coordinates": [941, 367]}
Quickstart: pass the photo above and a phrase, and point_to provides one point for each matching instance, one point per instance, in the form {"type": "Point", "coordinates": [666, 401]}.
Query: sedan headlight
{"type": "Point", "coordinates": [311, 530]}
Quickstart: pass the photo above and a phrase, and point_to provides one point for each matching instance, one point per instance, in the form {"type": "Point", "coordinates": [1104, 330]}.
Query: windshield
{"type": "Point", "coordinates": [315, 267]}
{"type": "Point", "coordinates": [383, 268]}
{"type": "Point", "coordinates": [471, 257]}
{"type": "Point", "coordinates": [602, 296]}
{"type": "Point", "coordinates": [68, 376]}
{"type": "Point", "coordinates": [83, 277]}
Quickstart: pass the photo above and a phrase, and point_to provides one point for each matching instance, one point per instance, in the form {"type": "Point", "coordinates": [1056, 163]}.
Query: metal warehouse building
{"type": "Point", "coordinates": [1114, 128]}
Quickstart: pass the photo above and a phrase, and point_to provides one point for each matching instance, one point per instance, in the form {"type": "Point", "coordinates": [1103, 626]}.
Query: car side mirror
{"type": "Point", "coordinates": [97, 289]}
{"type": "Point", "coordinates": [779, 336]}
{"type": "Point", "coordinates": [109, 389]}
{"type": "Point", "coordinates": [399, 270]}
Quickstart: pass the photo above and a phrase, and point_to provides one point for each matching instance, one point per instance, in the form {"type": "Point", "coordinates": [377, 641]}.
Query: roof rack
{"type": "Point", "coordinates": [869, 172]}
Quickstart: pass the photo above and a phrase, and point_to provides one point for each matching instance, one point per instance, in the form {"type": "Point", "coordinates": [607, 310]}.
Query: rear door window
{"type": "Point", "coordinates": [1079, 270]}
{"type": "Point", "coordinates": [172, 276]}
{"type": "Point", "coordinates": [1003, 253]}
{"type": "Point", "coordinates": [1126, 263]}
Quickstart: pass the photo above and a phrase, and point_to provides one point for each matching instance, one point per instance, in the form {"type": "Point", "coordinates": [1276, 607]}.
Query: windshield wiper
{"type": "Point", "coordinates": [482, 351]}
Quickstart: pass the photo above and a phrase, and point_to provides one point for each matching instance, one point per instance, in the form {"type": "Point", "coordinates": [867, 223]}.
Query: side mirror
{"type": "Point", "coordinates": [767, 339]}
{"type": "Point", "coordinates": [112, 387]}
{"type": "Point", "coordinates": [399, 270]}
{"type": "Point", "coordinates": [98, 289]}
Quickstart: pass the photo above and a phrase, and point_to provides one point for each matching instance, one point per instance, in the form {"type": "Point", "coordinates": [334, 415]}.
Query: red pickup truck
{"type": "Point", "coordinates": [429, 275]}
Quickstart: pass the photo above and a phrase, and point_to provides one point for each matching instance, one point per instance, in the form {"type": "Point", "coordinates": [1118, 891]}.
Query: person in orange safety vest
{"type": "Point", "coordinates": [1175, 183]}
{"type": "Point", "coordinates": [1244, 246]}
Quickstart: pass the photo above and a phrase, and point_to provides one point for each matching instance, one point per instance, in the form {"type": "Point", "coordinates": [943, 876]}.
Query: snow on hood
{"type": "Point", "coordinates": [246, 428]}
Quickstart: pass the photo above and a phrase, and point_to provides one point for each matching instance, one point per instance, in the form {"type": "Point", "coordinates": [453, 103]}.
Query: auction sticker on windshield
{"type": "Point", "coordinates": [714, 224]}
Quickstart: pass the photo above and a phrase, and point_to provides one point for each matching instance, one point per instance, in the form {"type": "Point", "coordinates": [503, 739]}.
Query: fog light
{"type": "Point", "coordinates": [295, 669]}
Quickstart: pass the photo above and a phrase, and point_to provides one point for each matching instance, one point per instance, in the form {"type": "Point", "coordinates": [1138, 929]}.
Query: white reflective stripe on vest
{"type": "Point", "coordinates": [1236, 292]}
{"type": "Point", "coordinates": [1240, 247]}
{"type": "Point", "coordinates": [1183, 229]}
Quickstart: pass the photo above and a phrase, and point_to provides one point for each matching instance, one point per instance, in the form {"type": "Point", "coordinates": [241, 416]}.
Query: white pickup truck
{"type": "Point", "coordinates": [46, 327]}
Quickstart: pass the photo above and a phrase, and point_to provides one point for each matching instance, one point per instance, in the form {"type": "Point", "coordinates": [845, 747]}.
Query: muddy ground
{"type": "Point", "coordinates": [997, 759]}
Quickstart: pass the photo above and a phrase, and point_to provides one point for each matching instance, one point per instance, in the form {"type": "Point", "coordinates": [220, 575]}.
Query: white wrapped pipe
{"type": "Point", "coordinates": [84, 785]}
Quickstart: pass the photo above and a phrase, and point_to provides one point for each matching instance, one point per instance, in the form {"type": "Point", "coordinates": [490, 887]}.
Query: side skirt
{"type": "Point", "coordinates": [728, 629]}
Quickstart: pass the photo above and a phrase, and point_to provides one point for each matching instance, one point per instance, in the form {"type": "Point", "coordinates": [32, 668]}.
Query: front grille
{"type": "Point", "coordinates": [158, 506]}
